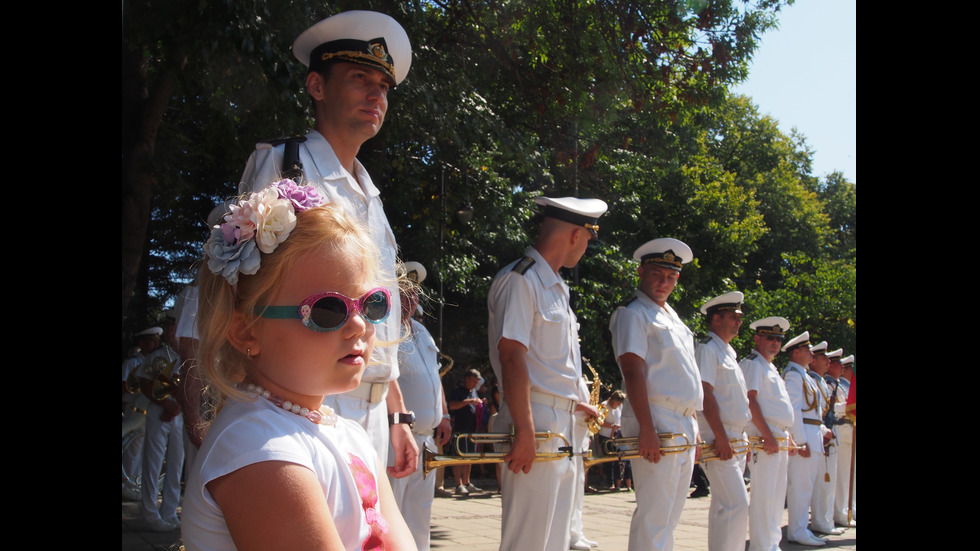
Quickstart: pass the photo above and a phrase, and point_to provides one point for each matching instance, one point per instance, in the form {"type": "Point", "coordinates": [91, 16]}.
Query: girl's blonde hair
{"type": "Point", "coordinates": [327, 228]}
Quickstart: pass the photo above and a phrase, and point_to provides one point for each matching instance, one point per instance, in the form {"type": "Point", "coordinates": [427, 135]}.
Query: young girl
{"type": "Point", "coordinates": [288, 302]}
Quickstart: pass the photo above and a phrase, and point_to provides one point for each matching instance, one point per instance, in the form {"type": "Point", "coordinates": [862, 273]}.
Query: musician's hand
{"type": "Point", "coordinates": [723, 449]}
{"type": "Point", "coordinates": [171, 409]}
{"type": "Point", "coordinates": [406, 451]}
{"type": "Point", "coordinates": [522, 452]}
{"type": "Point", "coordinates": [649, 444]}
{"type": "Point", "coordinates": [591, 412]}
{"type": "Point", "coordinates": [443, 432]}
{"type": "Point", "coordinates": [805, 451]}
{"type": "Point", "coordinates": [770, 445]}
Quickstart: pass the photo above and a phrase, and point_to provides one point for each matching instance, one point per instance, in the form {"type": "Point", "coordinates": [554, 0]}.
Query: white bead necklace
{"type": "Point", "coordinates": [324, 416]}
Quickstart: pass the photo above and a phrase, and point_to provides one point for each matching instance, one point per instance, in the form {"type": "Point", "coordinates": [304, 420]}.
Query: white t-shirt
{"type": "Point", "coordinates": [250, 432]}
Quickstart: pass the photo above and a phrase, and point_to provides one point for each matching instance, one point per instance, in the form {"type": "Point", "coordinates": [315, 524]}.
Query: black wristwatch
{"type": "Point", "coordinates": [405, 418]}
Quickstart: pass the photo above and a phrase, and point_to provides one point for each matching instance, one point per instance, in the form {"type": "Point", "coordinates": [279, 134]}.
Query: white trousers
{"type": "Point", "coordinates": [845, 435]}
{"type": "Point", "coordinates": [164, 441]}
{"type": "Point", "coordinates": [581, 437]}
{"type": "Point", "coordinates": [801, 478]}
{"type": "Point", "coordinates": [824, 488]}
{"type": "Point", "coordinates": [662, 487]}
{"type": "Point", "coordinates": [536, 507]}
{"type": "Point", "coordinates": [768, 498]}
{"type": "Point", "coordinates": [414, 495]}
{"type": "Point", "coordinates": [728, 513]}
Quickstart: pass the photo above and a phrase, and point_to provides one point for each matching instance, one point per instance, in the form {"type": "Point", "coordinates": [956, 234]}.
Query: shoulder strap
{"type": "Point", "coordinates": [291, 168]}
{"type": "Point", "coordinates": [524, 265]}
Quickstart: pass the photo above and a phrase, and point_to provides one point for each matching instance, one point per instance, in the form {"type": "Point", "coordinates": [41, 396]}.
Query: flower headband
{"type": "Point", "coordinates": [257, 223]}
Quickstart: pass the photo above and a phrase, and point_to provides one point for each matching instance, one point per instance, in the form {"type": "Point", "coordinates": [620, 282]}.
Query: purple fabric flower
{"type": "Point", "coordinates": [302, 197]}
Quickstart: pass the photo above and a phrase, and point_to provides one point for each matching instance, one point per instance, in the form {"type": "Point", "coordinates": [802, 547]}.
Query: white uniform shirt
{"type": "Point", "coordinates": [667, 347]}
{"type": "Point", "coordinates": [322, 169]}
{"type": "Point", "coordinates": [807, 402]}
{"type": "Point", "coordinates": [762, 377]}
{"type": "Point", "coordinates": [187, 313]}
{"type": "Point", "coordinates": [418, 379]}
{"type": "Point", "coordinates": [533, 309]}
{"type": "Point", "coordinates": [719, 368]}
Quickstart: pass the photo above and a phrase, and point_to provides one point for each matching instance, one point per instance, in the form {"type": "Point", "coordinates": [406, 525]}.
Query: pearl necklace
{"type": "Point", "coordinates": [324, 416]}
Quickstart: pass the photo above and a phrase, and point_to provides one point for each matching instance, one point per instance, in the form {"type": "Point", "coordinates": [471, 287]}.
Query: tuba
{"type": "Point", "coordinates": [168, 376]}
{"type": "Point", "coordinates": [595, 423]}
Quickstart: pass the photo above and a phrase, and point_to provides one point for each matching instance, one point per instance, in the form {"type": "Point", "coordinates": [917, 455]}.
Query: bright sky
{"type": "Point", "coordinates": [804, 75]}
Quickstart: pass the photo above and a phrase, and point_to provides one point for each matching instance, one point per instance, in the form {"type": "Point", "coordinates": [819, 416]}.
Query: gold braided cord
{"type": "Point", "coordinates": [361, 56]}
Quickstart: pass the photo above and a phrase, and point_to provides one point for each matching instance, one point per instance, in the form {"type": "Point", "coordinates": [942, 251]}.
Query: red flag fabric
{"type": "Point", "coordinates": [851, 409]}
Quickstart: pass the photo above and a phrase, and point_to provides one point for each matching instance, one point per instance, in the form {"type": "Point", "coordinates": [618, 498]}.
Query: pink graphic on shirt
{"type": "Point", "coordinates": [368, 489]}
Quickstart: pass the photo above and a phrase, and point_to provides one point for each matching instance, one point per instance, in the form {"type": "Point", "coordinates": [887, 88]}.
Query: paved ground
{"type": "Point", "coordinates": [473, 524]}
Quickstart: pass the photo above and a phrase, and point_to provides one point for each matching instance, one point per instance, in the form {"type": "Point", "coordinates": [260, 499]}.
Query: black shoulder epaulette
{"type": "Point", "coordinates": [524, 265]}
{"type": "Point", "coordinates": [706, 339]}
{"type": "Point", "coordinates": [280, 141]}
{"type": "Point", "coordinates": [628, 302]}
{"type": "Point", "coordinates": [753, 355]}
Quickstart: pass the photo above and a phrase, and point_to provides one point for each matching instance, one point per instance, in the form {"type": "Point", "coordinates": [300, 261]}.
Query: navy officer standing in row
{"type": "Point", "coordinates": [655, 352]}
{"type": "Point", "coordinates": [355, 59]}
{"type": "Point", "coordinates": [534, 351]}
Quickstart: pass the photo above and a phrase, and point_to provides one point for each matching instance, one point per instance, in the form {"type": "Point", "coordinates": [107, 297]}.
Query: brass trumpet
{"type": "Point", "coordinates": [432, 461]}
{"type": "Point", "coordinates": [739, 446]}
{"type": "Point", "coordinates": [621, 449]}
{"type": "Point", "coordinates": [755, 443]}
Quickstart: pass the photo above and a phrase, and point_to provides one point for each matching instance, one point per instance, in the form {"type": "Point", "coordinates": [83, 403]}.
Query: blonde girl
{"type": "Point", "coordinates": [288, 302]}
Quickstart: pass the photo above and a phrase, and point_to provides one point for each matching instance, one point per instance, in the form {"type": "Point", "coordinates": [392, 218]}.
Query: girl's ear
{"type": "Point", "coordinates": [241, 335]}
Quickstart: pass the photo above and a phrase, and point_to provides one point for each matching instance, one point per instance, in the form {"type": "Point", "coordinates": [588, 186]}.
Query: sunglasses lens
{"type": "Point", "coordinates": [329, 313]}
{"type": "Point", "coordinates": [375, 307]}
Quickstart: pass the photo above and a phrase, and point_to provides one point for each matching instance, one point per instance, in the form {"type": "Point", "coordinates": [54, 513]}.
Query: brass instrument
{"type": "Point", "coordinates": [432, 461]}
{"type": "Point", "coordinates": [595, 424]}
{"type": "Point", "coordinates": [621, 449]}
{"type": "Point", "coordinates": [167, 377]}
{"type": "Point", "coordinates": [739, 446]}
{"type": "Point", "coordinates": [755, 443]}
{"type": "Point", "coordinates": [133, 385]}
{"type": "Point", "coordinates": [447, 367]}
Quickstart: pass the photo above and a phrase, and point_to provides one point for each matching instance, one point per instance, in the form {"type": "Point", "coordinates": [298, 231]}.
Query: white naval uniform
{"type": "Point", "coordinates": [845, 441]}
{"type": "Point", "coordinates": [674, 394]}
{"type": "Point", "coordinates": [321, 168]}
{"type": "Point", "coordinates": [530, 305]}
{"type": "Point", "coordinates": [822, 502]}
{"type": "Point", "coordinates": [422, 392]}
{"type": "Point", "coordinates": [580, 437]}
{"type": "Point", "coordinates": [769, 472]}
{"type": "Point", "coordinates": [187, 328]}
{"type": "Point", "coordinates": [802, 472]}
{"type": "Point", "coordinates": [164, 441]}
{"type": "Point", "coordinates": [134, 420]}
{"type": "Point", "coordinates": [728, 516]}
